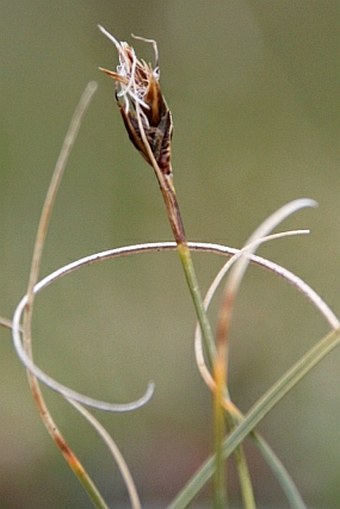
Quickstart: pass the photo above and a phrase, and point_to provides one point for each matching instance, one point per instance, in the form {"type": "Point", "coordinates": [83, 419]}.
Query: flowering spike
{"type": "Point", "coordinates": [140, 100]}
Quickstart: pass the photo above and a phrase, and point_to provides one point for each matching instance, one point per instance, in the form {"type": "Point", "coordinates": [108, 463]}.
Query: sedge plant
{"type": "Point", "coordinates": [148, 122]}
{"type": "Point", "coordinates": [149, 125]}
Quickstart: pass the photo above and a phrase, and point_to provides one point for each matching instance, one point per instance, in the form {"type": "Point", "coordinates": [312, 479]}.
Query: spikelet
{"type": "Point", "coordinates": [137, 91]}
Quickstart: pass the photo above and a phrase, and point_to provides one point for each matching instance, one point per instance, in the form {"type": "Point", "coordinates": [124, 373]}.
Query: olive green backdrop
{"type": "Point", "coordinates": [253, 87]}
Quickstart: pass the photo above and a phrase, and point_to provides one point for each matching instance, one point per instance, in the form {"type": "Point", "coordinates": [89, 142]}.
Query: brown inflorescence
{"type": "Point", "coordinates": [141, 103]}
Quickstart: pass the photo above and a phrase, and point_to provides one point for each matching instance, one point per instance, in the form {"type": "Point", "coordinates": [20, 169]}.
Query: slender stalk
{"type": "Point", "coordinates": [293, 496]}
{"type": "Point", "coordinates": [148, 122]}
{"type": "Point", "coordinates": [244, 478]}
{"type": "Point", "coordinates": [202, 317]}
{"type": "Point", "coordinates": [219, 492]}
{"type": "Point", "coordinates": [117, 455]}
{"type": "Point", "coordinates": [44, 413]}
{"type": "Point", "coordinates": [232, 417]}
{"type": "Point", "coordinates": [165, 180]}
{"type": "Point", "coordinates": [219, 484]}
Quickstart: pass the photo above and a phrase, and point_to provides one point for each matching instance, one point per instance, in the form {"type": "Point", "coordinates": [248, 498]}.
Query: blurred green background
{"type": "Point", "coordinates": [253, 87]}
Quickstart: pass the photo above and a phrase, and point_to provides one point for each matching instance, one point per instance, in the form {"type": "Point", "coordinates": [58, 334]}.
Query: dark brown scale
{"type": "Point", "coordinates": [159, 136]}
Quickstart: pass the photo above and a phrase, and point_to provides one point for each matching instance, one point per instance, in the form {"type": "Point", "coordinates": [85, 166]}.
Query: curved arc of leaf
{"type": "Point", "coordinates": [200, 360]}
{"type": "Point", "coordinates": [58, 387]}
{"type": "Point", "coordinates": [255, 239]}
{"type": "Point", "coordinates": [137, 249]}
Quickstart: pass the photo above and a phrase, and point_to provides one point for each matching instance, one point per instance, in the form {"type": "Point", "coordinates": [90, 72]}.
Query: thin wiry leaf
{"type": "Point", "coordinates": [204, 247]}
{"type": "Point", "coordinates": [113, 448]}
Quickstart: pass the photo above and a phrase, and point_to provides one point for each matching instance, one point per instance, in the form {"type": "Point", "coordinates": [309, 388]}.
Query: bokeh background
{"type": "Point", "coordinates": [253, 87]}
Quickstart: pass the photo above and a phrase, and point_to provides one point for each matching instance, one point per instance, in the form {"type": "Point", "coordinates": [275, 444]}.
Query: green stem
{"type": "Point", "coordinates": [219, 414]}
{"type": "Point", "coordinates": [190, 275]}
{"type": "Point", "coordinates": [244, 478]}
{"type": "Point", "coordinates": [219, 492]}
{"type": "Point", "coordinates": [220, 497]}
{"type": "Point", "coordinates": [167, 188]}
